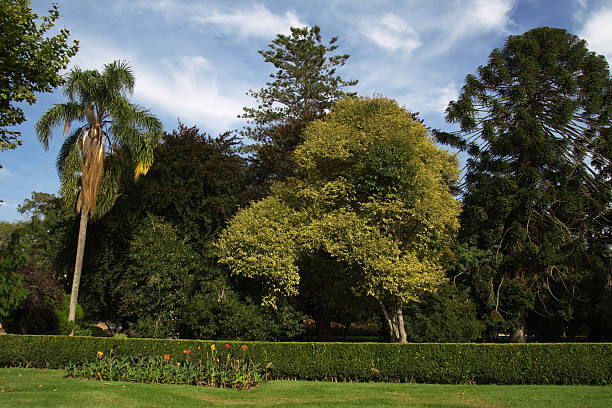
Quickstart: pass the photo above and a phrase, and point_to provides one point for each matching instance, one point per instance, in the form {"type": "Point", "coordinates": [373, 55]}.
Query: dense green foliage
{"type": "Point", "coordinates": [535, 121]}
{"type": "Point", "coordinates": [31, 62]}
{"type": "Point", "coordinates": [567, 363]}
{"type": "Point", "coordinates": [28, 258]}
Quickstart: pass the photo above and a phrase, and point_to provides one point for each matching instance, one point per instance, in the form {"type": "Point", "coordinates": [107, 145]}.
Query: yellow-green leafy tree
{"type": "Point", "coordinates": [373, 192]}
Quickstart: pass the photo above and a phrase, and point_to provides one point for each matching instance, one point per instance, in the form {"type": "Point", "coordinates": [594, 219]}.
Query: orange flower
{"type": "Point", "coordinates": [227, 345]}
{"type": "Point", "coordinates": [187, 351]}
{"type": "Point", "coordinates": [166, 356]}
{"type": "Point", "coordinates": [244, 347]}
{"type": "Point", "coordinates": [100, 354]}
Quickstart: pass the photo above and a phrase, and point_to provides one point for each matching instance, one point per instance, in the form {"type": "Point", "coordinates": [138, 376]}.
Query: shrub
{"type": "Point", "coordinates": [561, 363]}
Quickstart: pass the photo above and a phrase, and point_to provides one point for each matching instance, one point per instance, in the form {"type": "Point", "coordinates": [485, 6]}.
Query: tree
{"type": "Point", "coordinates": [535, 121]}
{"type": "Point", "coordinates": [116, 135]}
{"type": "Point", "coordinates": [373, 195]}
{"type": "Point", "coordinates": [304, 87]}
{"type": "Point", "coordinates": [31, 62]}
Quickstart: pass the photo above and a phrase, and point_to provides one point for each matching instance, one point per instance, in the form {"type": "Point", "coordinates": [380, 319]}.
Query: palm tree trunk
{"type": "Point", "coordinates": [78, 264]}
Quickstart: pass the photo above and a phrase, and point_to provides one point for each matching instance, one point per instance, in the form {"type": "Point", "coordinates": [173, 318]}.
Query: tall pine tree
{"type": "Point", "coordinates": [303, 88]}
{"type": "Point", "coordinates": [534, 122]}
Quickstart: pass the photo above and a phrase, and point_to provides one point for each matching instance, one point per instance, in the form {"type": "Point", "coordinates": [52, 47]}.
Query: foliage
{"type": "Point", "coordinates": [538, 363]}
{"type": "Point", "coordinates": [217, 369]}
{"type": "Point", "coordinates": [29, 256]}
{"type": "Point", "coordinates": [304, 87]}
{"type": "Point", "coordinates": [37, 314]}
{"type": "Point", "coordinates": [374, 196]}
{"type": "Point", "coordinates": [158, 265]}
{"type": "Point", "coordinates": [31, 62]}
{"type": "Point", "coordinates": [534, 122]}
{"type": "Point", "coordinates": [12, 294]}
{"type": "Point", "coordinates": [448, 316]}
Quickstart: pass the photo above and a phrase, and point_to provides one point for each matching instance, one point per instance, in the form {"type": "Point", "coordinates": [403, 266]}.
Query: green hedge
{"type": "Point", "coordinates": [560, 363]}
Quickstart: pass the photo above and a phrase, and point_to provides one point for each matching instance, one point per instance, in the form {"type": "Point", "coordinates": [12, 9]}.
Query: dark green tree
{"type": "Point", "coordinates": [535, 122]}
{"type": "Point", "coordinates": [31, 62]}
{"type": "Point", "coordinates": [304, 87]}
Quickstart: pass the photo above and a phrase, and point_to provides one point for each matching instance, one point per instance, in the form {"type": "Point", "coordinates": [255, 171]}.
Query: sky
{"type": "Point", "coordinates": [195, 60]}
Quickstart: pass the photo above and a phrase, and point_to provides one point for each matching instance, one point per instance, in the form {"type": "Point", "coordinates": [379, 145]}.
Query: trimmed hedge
{"type": "Point", "coordinates": [559, 363]}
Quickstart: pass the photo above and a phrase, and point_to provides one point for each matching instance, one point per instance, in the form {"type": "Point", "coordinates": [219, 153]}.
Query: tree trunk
{"type": "Point", "coordinates": [323, 327]}
{"type": "Point", "coordinates": [518, 335]}
{"type": "Point", "coordinates": [395, 323]}
{"type": "Point", "coordinates": [78, 264]}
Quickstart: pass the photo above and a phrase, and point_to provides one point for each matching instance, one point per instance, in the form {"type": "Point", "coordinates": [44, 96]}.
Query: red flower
{"type": "Point", "coordinates": [166, 356]}
{"type": "Point", "coordinates": [227, 345]}
{"type": "Point", "coordinates": [186, 351]}
{"type": "Point", "coordinates": [244, 347]}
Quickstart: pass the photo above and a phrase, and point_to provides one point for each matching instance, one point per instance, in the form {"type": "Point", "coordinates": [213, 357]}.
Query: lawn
{"type": "Point", "coordinates": [21, 387]}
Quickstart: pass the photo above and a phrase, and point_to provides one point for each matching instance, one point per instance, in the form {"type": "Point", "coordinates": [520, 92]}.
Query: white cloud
{"type": "Point", "coordinates": [597, 30]}
{"type": "Point", "coordinates": [393, 33]}
{"type": "Point", "coordinates": [256, 20]}
{"type": "Point", "coordinates": [249, 20]}
{"type": "Point", "coordinates": [184, 87]}
{"type": "Point", "coordinates": [431, 100]}
{"type": "Point", "coordinates": [487, 14]}
{"type": "Point", "coordinates": [187, 88]}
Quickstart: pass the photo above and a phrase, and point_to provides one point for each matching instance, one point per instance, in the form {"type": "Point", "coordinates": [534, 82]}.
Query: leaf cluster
{"type": "Point", "coordinates": [30, 62]}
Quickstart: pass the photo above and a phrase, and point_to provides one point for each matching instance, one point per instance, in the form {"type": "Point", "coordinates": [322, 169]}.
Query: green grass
{"type": "Point", "coordinates": [48, 388]}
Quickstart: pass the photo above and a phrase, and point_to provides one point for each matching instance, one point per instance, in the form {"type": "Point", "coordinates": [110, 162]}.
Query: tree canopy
{"type": "Point", "coordinates": [31, 62]}
{"type": "Point", "coordinates": [374, 195]}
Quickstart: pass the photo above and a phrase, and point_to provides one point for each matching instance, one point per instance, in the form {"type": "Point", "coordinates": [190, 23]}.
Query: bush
{"type": "Point", "coordinates": [448, 315]}
{"type": "Point", "coordinates": [566, 363]}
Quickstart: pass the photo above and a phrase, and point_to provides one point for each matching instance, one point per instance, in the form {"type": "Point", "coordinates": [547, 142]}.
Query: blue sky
{"type": "Point", "coordinates": [194, 60]}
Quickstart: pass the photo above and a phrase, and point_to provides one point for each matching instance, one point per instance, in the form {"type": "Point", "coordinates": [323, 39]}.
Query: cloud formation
{"type": "Point", "coordinates": [255, 20]}
{"type": "Point", "coordinates": [597, 31]}
{"type": "Point", "coordinates": [393, 33]}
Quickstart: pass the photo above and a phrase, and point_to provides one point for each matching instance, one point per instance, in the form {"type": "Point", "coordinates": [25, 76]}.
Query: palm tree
{"type": "Point", "coordinates": [115, 136]}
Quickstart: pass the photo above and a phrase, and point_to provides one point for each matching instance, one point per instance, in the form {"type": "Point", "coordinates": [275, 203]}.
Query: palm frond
{"type": "Point", "coordinates": [119, 78]}
{"type": "Point", "coordinates": [70, 173]}
{"type": "Point", "coordinates": [54, 116]}
{"type": "Point", "coordinates": [67, 147]}
{"type": "Point", "coordinates": [109, 185]}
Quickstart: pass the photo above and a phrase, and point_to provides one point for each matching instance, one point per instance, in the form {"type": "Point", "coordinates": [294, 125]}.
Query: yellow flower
{"type": "Point", "coordinates": [178, 364]}
{"type": "Point", "coordinates": [212, 347]}
{"type": "Point", "coordinates": [100, 354]}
